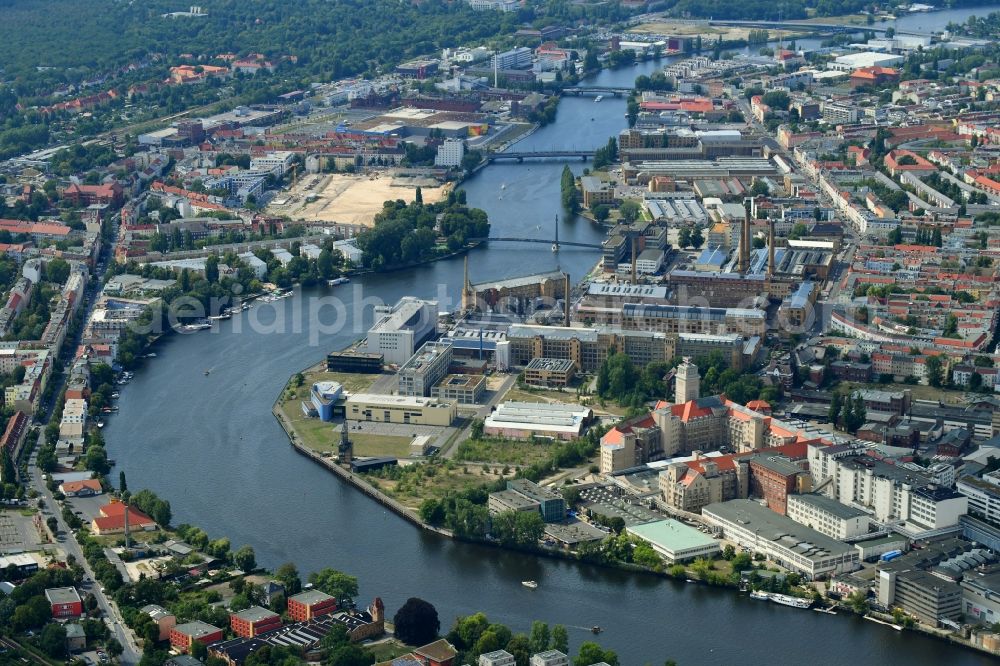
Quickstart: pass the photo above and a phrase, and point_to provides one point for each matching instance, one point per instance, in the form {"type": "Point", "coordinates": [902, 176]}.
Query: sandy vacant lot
{"type": "Point", "coordinates": [708, 32]}
{"type": "Point", "coordinates": [349, 199]}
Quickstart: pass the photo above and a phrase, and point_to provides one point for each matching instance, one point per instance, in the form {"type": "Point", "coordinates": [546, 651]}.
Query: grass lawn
{"type": "Point", "coordinates": [540, 395]}
{"type": "Point", "coordinates": [387, 650]}
{"type": "Point", "coordinates": [423, 481]}
{"type": "Point", "coordinates": [352, 382]}
{"type": "Point", "coordinates": [920, 392]}
{"type": "Point", "coordinates": [503, 452]}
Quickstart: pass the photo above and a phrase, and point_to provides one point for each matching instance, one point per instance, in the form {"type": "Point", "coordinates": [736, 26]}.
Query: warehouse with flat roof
{"type": "Point", "coordinates": [675, 541]}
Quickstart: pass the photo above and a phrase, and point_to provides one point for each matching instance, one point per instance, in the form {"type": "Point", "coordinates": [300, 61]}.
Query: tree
{"type": "Point", "coordinates": [519, 647]}
{"type": "Point", "coordinates": [798, 231]}
{"type": "Point", "coordinates": [560, 639]}
{"type": "Point", "coordinates": [57, 270]}
{"type": "Point", "coordinates": [288, 575]}
{"type": "Point", "coordinates": [122, 486]}
{"type": "Point", "coordinates": [349, 655]}
{"type": "Point", "coordinates": [540, 637]}
{"type": "Point", "coordinates": [592, 653]}
{"type": "Point", "coordinates": [53, 640]}
{"type": "Point", "coordinates": [335, 583]}
{"type": "Point", "coordinates": [52, 523]}
{"type": "Point", "coordinates": [601, 212]}
{"type": "Point", "coordinates": [630, 211]}
{"type": "Point", "coordinates": [418, 197]}
{"type": "Point", "coordinates": [684, 236]}
{"type": "Point", "coordinates": [836, 403]}
{"type": "Point", "coordinates": [933, 369]}
{"type": "Point", "coordinates": [697, 239]}
{"type": "Point", "coordinates": [416, 622]}
{"type": "Point", "coordinates": [245, 558]}
{"type": "Point", "coordinates": [212, 268]}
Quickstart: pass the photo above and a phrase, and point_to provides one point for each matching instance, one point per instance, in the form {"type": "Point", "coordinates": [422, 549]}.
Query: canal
{"type": "Point", "coordinates": [210, 445]}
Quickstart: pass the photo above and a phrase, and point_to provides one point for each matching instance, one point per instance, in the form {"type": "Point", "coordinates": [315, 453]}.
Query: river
{"type": "Point", "coordinates": [210, 445]}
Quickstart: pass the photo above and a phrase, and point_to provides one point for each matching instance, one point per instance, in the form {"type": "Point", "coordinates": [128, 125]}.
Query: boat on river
{"type": "Point", "coordinates": [596, 629]}
{"type": "Point", "coordinates": [530, 583]}
{"type": "Point", "coordinates": [598, 98]}
{"type": "Point", "coordinates": [787, 600]}
{"type": "Point", "coordinates": [335, 281]}
{"type": "Point", "coordinates": [760, 596]}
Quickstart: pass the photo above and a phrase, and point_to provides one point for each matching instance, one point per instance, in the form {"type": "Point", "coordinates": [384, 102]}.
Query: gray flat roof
{"type": "Point", "coordinates": [62, 595]}
{"type": "Point", "coordinates": [782, 531]}
{"type": "Point", "coordinates": [831, 506]}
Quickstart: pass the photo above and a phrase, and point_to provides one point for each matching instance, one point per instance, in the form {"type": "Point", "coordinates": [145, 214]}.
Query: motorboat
{"type": "Point", "coordinates": [530, 583]}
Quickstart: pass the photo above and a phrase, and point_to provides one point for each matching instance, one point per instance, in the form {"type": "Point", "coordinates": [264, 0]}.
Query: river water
{"type": "Point", "coordinates": [210, 445]}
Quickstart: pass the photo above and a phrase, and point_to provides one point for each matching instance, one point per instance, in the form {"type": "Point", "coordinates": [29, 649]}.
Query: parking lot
{"type": "Point", "coordinates": [87, 507]}
{"type": "Point", "coordinates": [17, 532]}
{"type": "Point", "coordinates": [606, 502]}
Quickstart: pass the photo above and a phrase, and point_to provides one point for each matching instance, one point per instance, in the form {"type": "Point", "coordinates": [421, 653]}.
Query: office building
{"type": "Point", "coordinates": [401, 329]}
{"type": "Point", "coordinates": [828, 516]}
{"type": "Point", "coordinates": [417, 410]}
{"type": "Point", "coordinates": [789, 544]}
{"type": "Point", "coordinates": [552, 372]}
{"type": "Point", "coordinates": [464, 389]}
{"type": "Point", "coordinates": [425, 368]}
{"type": "Point", "coordinates": [355, 362]}
{"type": "Point", "coordinates": [516, 58]}
{"type": "Point", "coordinates": [450, 153]}
{"type": "Point", "coordinates": [890, 492]}
{"type": "Point", "coordinates": [587, 347]}
{"type": "Point", "coordinates": [920, 593]}
{"type": "Point", "coordinates": [504, 501]}
{"type": "Point", "coordinates": [552, 505]}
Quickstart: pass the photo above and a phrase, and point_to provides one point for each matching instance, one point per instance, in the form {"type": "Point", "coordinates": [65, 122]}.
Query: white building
{"type": "Point", "coordinates": [983, 494]}
{"type": "Point", "coordinates": [498, 5]}
{"type": "Point", "coordinates": [497, 658]}
{"type": "Point", "coordinates": [853, 61]}
{"type": "Point", "coordinates": [516, 58]}
{"type": "Point", "coordinates": [450, 153]}
{"type": "Point", "coordinates": [349, 249]}
{"type": "Point", "coordinates": [400, 329]}
{"type": "Point", "coordinates": [828, 516]}
{"type": "Point", "coordinates": [277, 163]}
{"type": "Point", "coordinates": [74, 419]}
{"type": "Point", "coordinates": [550, 658]}
{"type": "Point", "coordinates": [781, 539]}
{"type": "Point", "coordinates": [889, 492]}
{"type": "Point", "coordinates": [258, 266]}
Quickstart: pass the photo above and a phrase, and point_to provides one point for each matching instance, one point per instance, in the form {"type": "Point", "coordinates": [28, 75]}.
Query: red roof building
{"type": "Point", "coordinates": [87, 195]}
{"type": "Point", "coordinates": [111, 519]}
{"type": "Point", "coordinates": [874, 77]}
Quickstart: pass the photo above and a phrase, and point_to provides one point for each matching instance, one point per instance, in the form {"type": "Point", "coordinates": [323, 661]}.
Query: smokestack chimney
{"type": "Point", "coordinates": [770, 248]}
{"type": "Point", "coordinates": [745, 243]}
{"type": "Point", "coordinates": [566, 298]}
{"type": "Point", "coordinates": [635, 242]}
